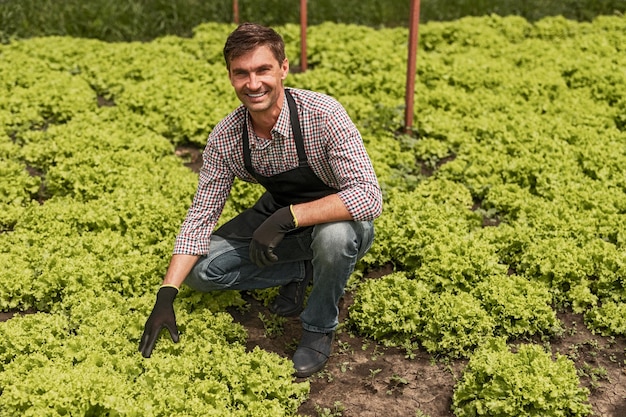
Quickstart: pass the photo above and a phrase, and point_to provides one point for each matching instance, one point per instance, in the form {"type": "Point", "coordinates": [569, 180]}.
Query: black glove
{"type": "Point", "coordinates": [162, 316]}
{"type": "Point", "coordinates": [269, 234]}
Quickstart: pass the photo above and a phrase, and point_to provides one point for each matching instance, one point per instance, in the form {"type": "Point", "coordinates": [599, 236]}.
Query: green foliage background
{"type": "Point", "coordinates": [506, 205]}
{"type": "Point", "coordinates": [127, 20]}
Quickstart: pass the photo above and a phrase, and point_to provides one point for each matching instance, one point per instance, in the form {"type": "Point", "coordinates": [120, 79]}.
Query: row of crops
{"type": "Point", "coordinates": [506, 205]}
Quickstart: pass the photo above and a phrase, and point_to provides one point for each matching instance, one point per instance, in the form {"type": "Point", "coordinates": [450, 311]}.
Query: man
{"type": "Point", "coordinates": [312, 224]}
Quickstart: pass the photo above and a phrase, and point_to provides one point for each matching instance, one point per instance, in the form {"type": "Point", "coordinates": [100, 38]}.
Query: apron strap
{"type": "Point", "coordinates": [297, 130]}
{"type": "Point", "coordinates": [297, 134]}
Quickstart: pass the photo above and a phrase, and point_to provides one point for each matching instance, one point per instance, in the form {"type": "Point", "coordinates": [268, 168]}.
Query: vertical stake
{"type": "Point", "coordinates": [303, 27]}
{"type": "Point", "coordinates": [236, 11]}
{"type": "Point", "coordinates": [411, 65]}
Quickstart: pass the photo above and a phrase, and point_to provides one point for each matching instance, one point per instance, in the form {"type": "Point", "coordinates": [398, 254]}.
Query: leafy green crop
{"type": "Point", "coordinates": [83, 362]}
{"type": "Point", "coordinates": [518, 305]}
{"type": "Point", "coordinates": [399, 311]}
{"type": "Point", "coordinates": [17, 190]}
{"type": "Point", "coordinates": [390, 309]}
{"type": "Point", "coordinates": [524, 383]}
{"type": "Point", "coordinates": [504, 205]}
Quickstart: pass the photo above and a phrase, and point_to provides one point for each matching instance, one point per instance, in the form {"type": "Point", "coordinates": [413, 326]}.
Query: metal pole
{"type": "Point", "coordinates": [411, 65]}
{"type": "Point", "coordinates": [303, 27]}
{"type": "Point", "coordinates": [236, 11]}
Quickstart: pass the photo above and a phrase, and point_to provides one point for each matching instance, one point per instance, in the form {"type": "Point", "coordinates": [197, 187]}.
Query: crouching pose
{"type": "Point", "coordinates": [313, 223]}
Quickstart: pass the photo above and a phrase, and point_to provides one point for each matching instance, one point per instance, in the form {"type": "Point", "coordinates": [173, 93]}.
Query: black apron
{"type": "Point", "coordinates": [298, 185]}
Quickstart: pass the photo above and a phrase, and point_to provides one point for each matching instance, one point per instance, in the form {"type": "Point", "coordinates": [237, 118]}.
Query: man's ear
{"type": "Point", "coordinates": [285, 68]}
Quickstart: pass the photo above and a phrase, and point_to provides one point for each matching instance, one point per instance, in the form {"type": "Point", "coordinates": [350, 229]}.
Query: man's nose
{"type": "Point", "coordinates": [253, 82]}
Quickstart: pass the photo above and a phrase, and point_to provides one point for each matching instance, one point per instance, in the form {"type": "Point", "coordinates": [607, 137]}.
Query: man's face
{"type": "Point", "coordinates": [258, 79]}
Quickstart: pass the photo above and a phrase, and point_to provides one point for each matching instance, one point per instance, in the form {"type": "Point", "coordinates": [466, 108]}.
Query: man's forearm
{"type": "Point", "coordinates": [325, 210]}
{"type": "Point", "coordinates": [180, 266]}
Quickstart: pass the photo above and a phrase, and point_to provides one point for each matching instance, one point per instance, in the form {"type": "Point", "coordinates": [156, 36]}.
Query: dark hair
{"type": "Point", "coordinates": [249, 36]}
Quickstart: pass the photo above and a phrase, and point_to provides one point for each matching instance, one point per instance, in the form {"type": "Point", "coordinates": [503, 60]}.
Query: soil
{"type": "Point", "coordinates": [364, 379]}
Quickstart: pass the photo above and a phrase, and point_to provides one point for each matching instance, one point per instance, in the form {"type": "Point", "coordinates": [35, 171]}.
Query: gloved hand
{"type": "Point", "coordinates": [162, 316]}
{"type": "Point", "coordinates": [269, 234]}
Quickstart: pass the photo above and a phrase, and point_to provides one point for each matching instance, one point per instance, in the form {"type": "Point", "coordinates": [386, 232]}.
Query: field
{"type": "Point", "coordinates": [496, 284]}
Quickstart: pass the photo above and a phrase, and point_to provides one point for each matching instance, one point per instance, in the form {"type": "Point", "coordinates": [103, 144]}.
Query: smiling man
{"type": "Point", "coordinates": [313, 223]}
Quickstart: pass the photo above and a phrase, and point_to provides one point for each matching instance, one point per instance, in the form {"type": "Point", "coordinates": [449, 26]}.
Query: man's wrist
{"type": "Point", "coordinates": [166, 294]}
{"type": "Point", "coordinates": [295, 219]}
{"type": "Point", "coordinates": [169, 286]}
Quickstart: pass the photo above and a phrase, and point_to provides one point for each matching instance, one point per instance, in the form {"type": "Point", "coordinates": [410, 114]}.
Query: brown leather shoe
{"type": "Point", "coordinates": [290, 299]}
{"type": "Point", "coordinates": [312, 353]}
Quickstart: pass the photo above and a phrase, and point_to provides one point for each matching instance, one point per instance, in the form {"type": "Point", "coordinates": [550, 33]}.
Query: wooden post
{"type": "Point", "coordinates": [303, 28]}
{"type": "Point", "coordinates": [236, 11]}
{"type": "Point", "coordinates": [411, 65]}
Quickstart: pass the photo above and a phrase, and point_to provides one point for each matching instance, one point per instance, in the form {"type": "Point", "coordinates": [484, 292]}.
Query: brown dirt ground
{"type": "Point", "coordinates": [365, 379]}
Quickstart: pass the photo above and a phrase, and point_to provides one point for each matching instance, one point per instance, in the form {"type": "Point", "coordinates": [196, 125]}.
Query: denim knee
{"type": "Point", "coordinates": [220, 269]}
{"type": "Point", "coordinates": [342, 239]}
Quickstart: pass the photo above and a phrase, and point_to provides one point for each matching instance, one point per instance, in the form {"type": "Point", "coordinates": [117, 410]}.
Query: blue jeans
{"type": "Point", "coordinates": [333, 248]}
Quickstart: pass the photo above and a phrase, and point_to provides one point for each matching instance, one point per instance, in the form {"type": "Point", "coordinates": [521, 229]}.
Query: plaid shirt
{"type": "Point", "coordinates": [333, 145]}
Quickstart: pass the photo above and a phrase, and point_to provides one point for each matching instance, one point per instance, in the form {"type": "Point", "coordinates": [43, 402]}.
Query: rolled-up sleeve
{"type": "Point", "coordinates": [214, 184]}
{"type": "Point", "coordinates": [359, 188]}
